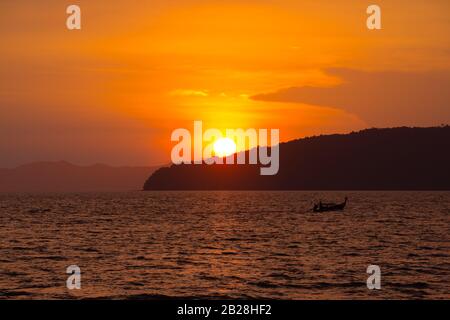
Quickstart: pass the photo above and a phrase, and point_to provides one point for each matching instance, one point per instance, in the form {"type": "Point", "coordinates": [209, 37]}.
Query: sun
{"type": "Point", "coordinates": [224, 147]}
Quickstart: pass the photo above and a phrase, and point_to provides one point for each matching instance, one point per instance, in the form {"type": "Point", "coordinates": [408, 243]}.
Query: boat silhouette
{"type": "Point", "coordinates": [324, 207]}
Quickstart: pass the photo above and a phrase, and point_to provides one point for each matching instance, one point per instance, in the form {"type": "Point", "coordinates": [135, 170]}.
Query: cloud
{"type": "Point", "coordinates": [388, 98]}
{"type": "Point", "coordinates": [193, 93]}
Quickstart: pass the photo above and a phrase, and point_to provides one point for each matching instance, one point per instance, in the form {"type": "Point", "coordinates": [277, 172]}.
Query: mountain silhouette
{"type": "Point", "coordinates": [63, 176]}
{"type": "Point", "coordinates": [373, 159]}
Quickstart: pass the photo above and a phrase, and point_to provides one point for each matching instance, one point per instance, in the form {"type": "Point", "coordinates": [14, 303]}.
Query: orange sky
{"type": "Point", "coordinates": [114, 91]}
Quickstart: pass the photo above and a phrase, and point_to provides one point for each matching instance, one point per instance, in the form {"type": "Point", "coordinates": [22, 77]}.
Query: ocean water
{"type": "Point", "coordinates": [223, 245]}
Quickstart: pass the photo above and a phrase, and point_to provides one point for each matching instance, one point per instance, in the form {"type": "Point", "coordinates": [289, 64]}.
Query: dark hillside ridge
{"type": "Point", "coordinates": [373, 159]}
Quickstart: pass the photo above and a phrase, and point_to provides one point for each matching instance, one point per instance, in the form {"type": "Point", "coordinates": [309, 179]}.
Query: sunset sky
{"type": "Point", "coordinates": [114, 91]}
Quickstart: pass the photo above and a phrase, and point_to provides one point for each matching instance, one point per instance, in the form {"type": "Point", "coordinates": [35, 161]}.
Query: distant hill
{"type": "Point", "coordinates": [372, 159]}
{"type": "Point", "coordinates": [66, 177]}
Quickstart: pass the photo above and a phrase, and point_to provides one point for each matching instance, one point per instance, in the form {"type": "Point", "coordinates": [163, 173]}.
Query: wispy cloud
{"type": "Point", "coordinates": [189, 93]}
{"type": "Point", "coordinates": [380, 98]}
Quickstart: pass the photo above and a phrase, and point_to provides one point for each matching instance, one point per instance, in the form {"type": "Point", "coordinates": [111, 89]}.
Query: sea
{"type": "Point", "coordinates": [224, 245]}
